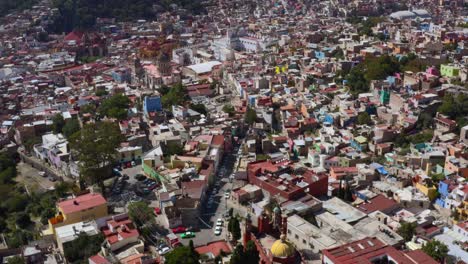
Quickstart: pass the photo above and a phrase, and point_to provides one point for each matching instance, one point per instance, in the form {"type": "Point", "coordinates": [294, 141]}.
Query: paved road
{"type": "Point", "coordinates": [210, 215]}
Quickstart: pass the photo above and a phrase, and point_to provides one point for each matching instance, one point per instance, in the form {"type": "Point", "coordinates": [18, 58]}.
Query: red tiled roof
{"type": "Point", "coordinates": [218, 140]}
{"type": "Point", "coordinates": [378, 203]}
{"type": "Point", "coordinates": [98, 259]}
{"type": "Point", "coordinates": [81, 203]}
{"type": "Point", "coordinates": [214, 248]}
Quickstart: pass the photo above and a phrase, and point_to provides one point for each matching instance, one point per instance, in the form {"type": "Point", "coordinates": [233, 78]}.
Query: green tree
{"type": "Point", "coordinates": [234, 227]}
{"type": "Point", "coordinates": [250, 116]}
{"type": "Point", "coordinates": [140, 213]}
{"type": "Point", "coordinates": [172, 148]}
{"type": "Point", "coordinates": [182, 254]}
{"type": "Point", "coordinates": [88, 109]}
{"type": "Point", "coordinates": [177, 95]}
{"type": "Point", "coordinates": [348, 193]}
{"type": "Point", "coordinates": [436, 249]}
{"type": "Point", "coordinates": [57, 123]}
{"type": "Point", "coordinates": [95, 146]}
{"type": "Point", "coordinates": [115, 107]}
{"type": "Point", "coordinates": [340, 193]}
{"type": "Point", "coordinates": [200, 108]}
{"type": "Point", "coordinates": [15, 260]}
{"type": "Point", "coordinates": [407, 230]}
{"type": "Point", "coordinates": [251, 253]}
{"type": "Point", "coordinates": [71, 127]}
{"type": "Point", "coordinates": [364, 119]}
{"type": "Point", "coordinates": [238, 256]}
{"type": "Point", "coordinates": [229, 109]}
{"type": "Point", "coordinates": [83, 247]}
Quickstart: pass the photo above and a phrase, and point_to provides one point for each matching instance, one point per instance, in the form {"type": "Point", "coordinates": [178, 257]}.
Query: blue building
{"type": "Point", "coordinates": [152, 104]}
{"type": "Point", "coordinates": [444, 191]}
{"type": "Point", "coordinates": [122, 75]}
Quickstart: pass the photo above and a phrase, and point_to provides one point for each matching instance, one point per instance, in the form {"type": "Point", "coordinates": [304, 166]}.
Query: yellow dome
{"type": "Point", "coordinates": [282, 249]}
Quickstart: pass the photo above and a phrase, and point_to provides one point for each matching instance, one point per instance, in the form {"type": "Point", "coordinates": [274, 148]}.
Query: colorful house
{"type": "Point", "coordinates": [447, 70]}
{"type": "Point", "coordinates": [85, 207]}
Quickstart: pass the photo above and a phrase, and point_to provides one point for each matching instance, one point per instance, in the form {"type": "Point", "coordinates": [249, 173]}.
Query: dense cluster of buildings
{"type": "Point", "coordinates": [321, 173]}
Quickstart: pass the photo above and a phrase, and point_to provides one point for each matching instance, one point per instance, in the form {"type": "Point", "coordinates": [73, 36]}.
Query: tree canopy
{"type": "Point", "coordinates": [115, 107]}
{"type": "Point", "coordinates": [373, 68]}
{"type": "Point", "coordinates": [455, 108]}
{"type": "Point", "coordinates": [182, 254]}
{"type": "Point", "coordinates": [58, 123]}
{"type": "Point", "coordinates": [7, 6]}
{"type": "Point", "coordinates": [71, 127]}
{"type": "Point", "coordinates": [176, 95]}
{"type": "Point", "coordinates": [96, 147]}
{"type": "Point", "coordinates": [250, 116]}
{"type": "Point", "coordinates": [364, 119]}
{"type": "Point", "coordinates": [436, 249]}
{"type": "Point", "coordinates": [234, 228]}
{"type": "Point", "coordinates": [407, 230]}
{"type": "Point", "coordinates": [229, 109]}
{"type": "Point", "coordinates": [83, 247]}
{"type": "Point", "coordinates": [83, 13]}
{"type": "Point", "coordinates": [140, 213]}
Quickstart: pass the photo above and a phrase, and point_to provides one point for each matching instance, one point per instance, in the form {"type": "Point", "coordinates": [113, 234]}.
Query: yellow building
{"type": "Point", "coordinates": [85, 207]}
{"type": "Point", "coordinates": [430, 192]}
{"type": "Point", "coordinates": [463, 211]}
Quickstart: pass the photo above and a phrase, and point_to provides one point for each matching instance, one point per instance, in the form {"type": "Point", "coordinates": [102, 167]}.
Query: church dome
{"type": "Point", "coordinates": [282, 248]}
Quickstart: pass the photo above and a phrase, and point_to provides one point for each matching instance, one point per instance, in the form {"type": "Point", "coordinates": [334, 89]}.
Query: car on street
{"type": "Point", "coordinates": [218, 230]}
{"type": "Point", "coordinates": [219, 222]}
{"type": "Point", "coordinates": [42, 173]}
{"type": "Point", "coordinates": [133, 163]}
{"type": "Point", "coordinates": [227, 195]}
{"type": "Point", "coordinates": [188, 235]}
{"type": "Point", "coordinates": [157, 210]}
{"type": "Point", "coordinates": [52, 179]}
{"type": "Point", "coordinates": [126, 177]}
{"type": "Point", "coordinates": [164, 250]}
{"type": "Point", "coordinates": [179, 229]}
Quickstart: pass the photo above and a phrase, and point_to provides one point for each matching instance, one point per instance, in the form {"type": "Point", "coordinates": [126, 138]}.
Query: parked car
{"type": "Point", "coordinates": [52, 179]}
{"type": "Point", "coordinates": [157, 210]}
{"type": "Point", "coordinates": [164, 251]}
{"type": "Point", "coordinates": [188, 235]}
{"type": "Point", "coordinates": [218, 230]}
{"type": "Point", "coordinates": [227, 195]}
{"type": "Point", "coordinates": [179, 229]}
{"type": "Point", "coordinates": [219, 222]}
{"type": "Point", "coordinates": [42, 173]}
{"type": "Point", "coordinates": [126, 177]}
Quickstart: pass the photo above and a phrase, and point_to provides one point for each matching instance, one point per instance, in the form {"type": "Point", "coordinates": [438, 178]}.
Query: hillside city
{"type": "Point", "coordinates": [234, 131]}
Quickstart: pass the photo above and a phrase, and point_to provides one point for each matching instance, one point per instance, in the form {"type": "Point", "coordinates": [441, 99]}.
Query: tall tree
{"type": "Point", "coordinates": [57, 123]}
{"type": "Point", "coordinates": [95, 147]}
{"type": "Point", "coordinates": [71, 127]}
{"type": "Point", "coordinates": [407, 230]}
{"type": "Point", "coordinates": [251, 253]}
{"type": "Point", "coordinates": [115, 107]}
{"type": "Point", "coordinates": [238, 256]}
{"type": "Point", "coordinates": [436, 249]}
{"type": "Point", "coordinates": [250, 116]}
{"type": "Point", "coordinates": [236, 231]}
{"type": "Point", "coordinates": [182, 254]}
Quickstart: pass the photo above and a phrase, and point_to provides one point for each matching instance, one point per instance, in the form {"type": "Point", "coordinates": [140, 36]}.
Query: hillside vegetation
{"type": "Point", "coordinates": [83, 13]}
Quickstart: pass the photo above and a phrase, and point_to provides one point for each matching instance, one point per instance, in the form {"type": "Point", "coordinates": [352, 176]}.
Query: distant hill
{"type": "Point", "coordinates": [83, 13]}
{"type": "Point", "coordinates": [8, 5]}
